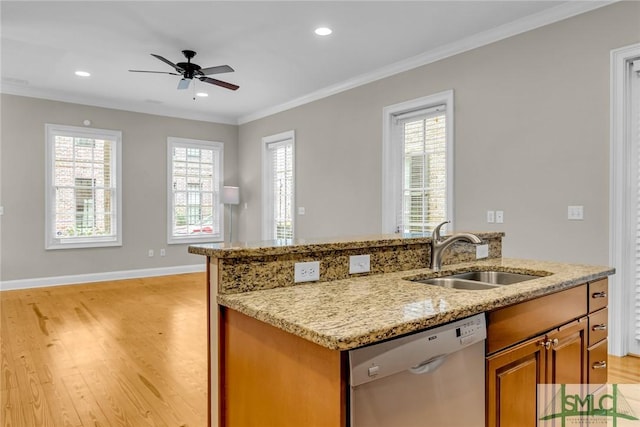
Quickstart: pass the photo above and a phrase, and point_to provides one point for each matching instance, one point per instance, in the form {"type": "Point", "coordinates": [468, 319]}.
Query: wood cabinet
{"type": "Point", "coordinates": [572, 352]}
{"type": "Point", "coordinates": [556, 357]}
{"type": "Point", "coordinates": [270, 378]}
{"type": "Point", "coordinates": [598, 299]}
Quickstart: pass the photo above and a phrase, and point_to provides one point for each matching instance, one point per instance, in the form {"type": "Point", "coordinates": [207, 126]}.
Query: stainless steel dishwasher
{"type": "Point", "coordinates": [434, 378]}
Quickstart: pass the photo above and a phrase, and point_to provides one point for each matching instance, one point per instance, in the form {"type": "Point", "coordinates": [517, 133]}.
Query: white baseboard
{"type": "Point", "coordinates": [77, 279]}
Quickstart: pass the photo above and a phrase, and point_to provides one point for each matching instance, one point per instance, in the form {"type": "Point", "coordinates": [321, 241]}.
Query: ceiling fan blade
{"type": "Point", "coordinates": [219, 83]}
{"type": "Point", "coordinates": [166, 61]}
{"type": "Point", "coordinates": [156, 72]}
{"type": "Point", "coordinates": [216, 70]}
{"type": "Point", "coordinates": [183, 84]}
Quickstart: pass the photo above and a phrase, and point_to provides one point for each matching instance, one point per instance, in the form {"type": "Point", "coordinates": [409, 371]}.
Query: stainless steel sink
{"type": "Point", "coordinates": [494, 277]}
{"type": "Point", "coordinates": [476, 280]}
{"type": "Point", "coordinates": [454, 283]}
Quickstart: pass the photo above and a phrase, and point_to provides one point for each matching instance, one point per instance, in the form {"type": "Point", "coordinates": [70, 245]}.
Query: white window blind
{"type": "Point", "coordinates": [278, 187]}
{"type": "Point", "coordinates": [82, 180]}
{"type": "Point", "coordinates": [195, 171]}
{"type": "Point", "coordinates": [635, 135]}
{"type": "Point", "coordinates": [424, 183]}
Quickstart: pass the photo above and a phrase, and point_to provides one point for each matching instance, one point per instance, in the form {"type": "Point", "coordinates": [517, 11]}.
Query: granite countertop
{"type": "Point", "coordinates": [294, 246]}
{"type": "Point", "coordinates": [350, 313]}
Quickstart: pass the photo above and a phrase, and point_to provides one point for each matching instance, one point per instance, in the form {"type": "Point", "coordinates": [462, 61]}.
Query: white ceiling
{"type": "Point", "coordinates": [279, 62]}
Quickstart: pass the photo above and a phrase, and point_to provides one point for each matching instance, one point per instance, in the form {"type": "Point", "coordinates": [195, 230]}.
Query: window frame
{"type": "Point", "coordinates": [392, 157]}
{"type": "Point", "coordinates": [172, 142]}
{"type": "Point", "coordinates": [51, 241]}
{"type": "Point", "coordinates": [267, 196]}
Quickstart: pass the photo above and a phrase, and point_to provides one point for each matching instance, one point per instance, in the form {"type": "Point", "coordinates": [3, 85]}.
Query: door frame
{"type": "Point", "coordinates": [621, 209]}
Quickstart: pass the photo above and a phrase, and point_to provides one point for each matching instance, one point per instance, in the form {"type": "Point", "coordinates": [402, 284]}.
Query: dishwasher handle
{"type": "Point", "coordinates": [428, 365]}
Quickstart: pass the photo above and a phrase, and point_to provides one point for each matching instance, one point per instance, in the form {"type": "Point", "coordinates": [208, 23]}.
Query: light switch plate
{"type": "Point", "coordinates": [482, 251]}
{"type": "Point", "coordinates": [499, 217]}
{"type": "Point", "coordinates": [306, 271]}
{"type": "Point", "coordinates": [491, 217]}
{"type": "Point", "coordinates": [359, 264]}
{"type": "Point", "coordinates": [575, 213]}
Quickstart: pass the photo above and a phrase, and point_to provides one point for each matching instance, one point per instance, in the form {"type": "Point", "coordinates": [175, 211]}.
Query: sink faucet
{"type": "Point", "coordinates": [437, 246]}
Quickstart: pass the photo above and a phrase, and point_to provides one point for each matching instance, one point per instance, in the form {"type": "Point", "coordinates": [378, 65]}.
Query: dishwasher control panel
{"type": "Point", "coordinates": [468, 330]}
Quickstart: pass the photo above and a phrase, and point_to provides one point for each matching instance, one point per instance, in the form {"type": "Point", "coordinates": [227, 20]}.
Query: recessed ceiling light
{"type": "Point", "coordinates": [202, 94]}
{"type": "Point", "coordinates": [323, 31]}
{"type": "Point", "coordinates": [82, 74]}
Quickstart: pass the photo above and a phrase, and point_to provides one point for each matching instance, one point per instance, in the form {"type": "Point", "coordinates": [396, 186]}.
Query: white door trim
{"type": "Point", "coordinates": [621, 211]}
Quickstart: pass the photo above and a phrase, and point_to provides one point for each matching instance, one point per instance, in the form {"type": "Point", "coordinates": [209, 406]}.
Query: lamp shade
{"type": "Point", "coordinates": [230, 195]}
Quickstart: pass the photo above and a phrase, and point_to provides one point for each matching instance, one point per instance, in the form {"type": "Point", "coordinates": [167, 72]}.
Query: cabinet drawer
{"type": "Point", "coordinates": [510, 325]}
{"type": "Point", "coordinates": [598, 359]}
{"type": "Point", "coordinates": [598, 295]}
{"type": "Point", "coordinates": [598, 326]}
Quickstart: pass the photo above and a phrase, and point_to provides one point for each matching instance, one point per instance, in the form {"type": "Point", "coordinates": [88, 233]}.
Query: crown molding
{"type": "Point", "coordinates": [540, 19]}
{"type": "Point", "coordinates": [154, 109]}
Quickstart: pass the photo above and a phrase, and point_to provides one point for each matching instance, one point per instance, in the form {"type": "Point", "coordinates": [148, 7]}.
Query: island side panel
{"type": "Point", "coordinates": [213, 326]}
{"type": "Point", "coordinates": [272, 378]}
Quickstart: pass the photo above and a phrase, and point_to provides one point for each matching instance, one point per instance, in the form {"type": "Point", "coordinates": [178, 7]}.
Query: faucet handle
{"type": "Point", "coordinates": [436, 231]}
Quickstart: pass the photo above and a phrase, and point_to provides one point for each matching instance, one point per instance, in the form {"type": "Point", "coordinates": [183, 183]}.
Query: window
{"type": "Point", "coordinates": [83, 198]}
{"type": "Point", "coordinates": [195, 173]}
{"type": "Point", "coordinates": [278, 186]}
{"type": "Point", "coordinates": [418, 164]}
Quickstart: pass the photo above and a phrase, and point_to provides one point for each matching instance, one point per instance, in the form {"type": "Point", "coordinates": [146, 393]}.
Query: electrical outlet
{"type": "Point", "coordinates": [150, 253]}
{"type": "Point", "coordinates": [482, 251]}
{"type": "Point", "coordinates": [499, 217]}
{"type": "Point", "coordinates": [491, 217]}
{"type": "Point", "coordinates": [306, 271]}
{"type": "Point", "coordinates": [359, 264]}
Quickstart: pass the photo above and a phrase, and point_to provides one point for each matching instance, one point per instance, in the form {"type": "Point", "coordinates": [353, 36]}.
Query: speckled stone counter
{"type": "Point", "coordinates": [349, 313]}
{"type": "Point", "coordinates": [243, 267]}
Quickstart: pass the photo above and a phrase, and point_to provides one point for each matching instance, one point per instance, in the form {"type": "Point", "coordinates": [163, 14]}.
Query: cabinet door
{"type": "Point", "coordinates": [567, 355]}
{"type": "Point", "coordinates": [512, 378]}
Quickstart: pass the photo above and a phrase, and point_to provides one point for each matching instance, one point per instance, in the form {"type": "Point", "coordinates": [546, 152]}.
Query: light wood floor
{"type": "Point", "coordinates": [123, 353]}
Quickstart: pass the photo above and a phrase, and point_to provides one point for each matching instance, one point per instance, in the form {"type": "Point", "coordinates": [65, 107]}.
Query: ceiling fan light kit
{"type": "Point", "coordinates": [188, 70]}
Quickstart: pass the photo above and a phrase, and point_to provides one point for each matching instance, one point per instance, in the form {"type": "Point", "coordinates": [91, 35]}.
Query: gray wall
{"type": "Point", "coordinates": [531, 138]}
{"type": "Point", "coordinates": [144, 146]}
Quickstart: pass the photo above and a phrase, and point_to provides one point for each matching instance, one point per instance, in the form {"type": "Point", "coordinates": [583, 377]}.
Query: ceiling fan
{"type": "Point", "coordinates": [188, 70]}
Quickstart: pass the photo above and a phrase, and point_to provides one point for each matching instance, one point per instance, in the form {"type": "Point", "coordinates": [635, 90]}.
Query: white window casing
{"type": "Point", "coordinates": [417, 164]}
{"type": "Point", "coordinates": [624, 202]}
{"type": "Point", "coordinates": [83, 179]}
{"type": "Point", "coordinates": [194, 183]}
{"type": "Point", "coordinates": [278, 186]}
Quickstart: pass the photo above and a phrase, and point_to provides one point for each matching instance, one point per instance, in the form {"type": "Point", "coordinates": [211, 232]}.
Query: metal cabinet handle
{"type": "Point", "coordinates": [600, 365]}
{"type": "Point", "coordinates": [599, 295]}
{"type": "Point", "coordinates": [548, 343]}
{"type": "Point", "coordinates": [600, 327]}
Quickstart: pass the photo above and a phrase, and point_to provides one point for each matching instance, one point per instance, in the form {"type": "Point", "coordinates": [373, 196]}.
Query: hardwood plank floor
{"type": "Point", "coordinates": [624, 370]}
{"type": "Point", "coordinates": [122, 353]}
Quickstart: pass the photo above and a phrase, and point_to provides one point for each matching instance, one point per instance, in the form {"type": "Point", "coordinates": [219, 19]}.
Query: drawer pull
{"type": "Point", "coordinates": [600, 327]}
{"type": "Point", "coordinates": [548, 343]}
{"type": "Point", "coordinates": [599, 295]}
{"type": "Point", "coordinates": [600, 365]}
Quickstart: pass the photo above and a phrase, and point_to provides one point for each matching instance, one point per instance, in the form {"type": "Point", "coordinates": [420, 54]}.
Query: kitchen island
{"type": "Point", "coordinates": [282, 345]}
